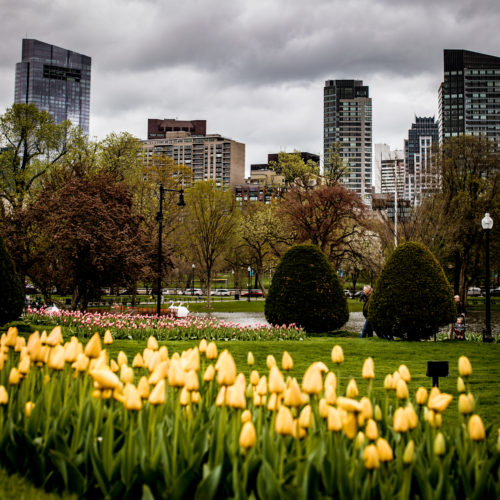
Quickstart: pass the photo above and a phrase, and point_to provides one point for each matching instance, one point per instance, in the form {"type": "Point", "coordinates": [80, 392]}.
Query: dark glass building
{"type": "Point", "coordinates": [348, 122]}
{"type": "Point", "coordinates": [57, 80]}
{"type": "Point", "coordinates": [469, 97]}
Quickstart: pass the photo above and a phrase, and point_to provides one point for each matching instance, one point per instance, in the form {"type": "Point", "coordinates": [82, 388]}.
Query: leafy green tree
{"type": "Point", "coordinates": [305, 290]}
{"type": "Point", "coordinates": [294, 169]}
{"type": "Point", "coordinates": [334, 169]}
{"type": "Point", "coordinates": [412, 297]}
{"type": "Point", "coordinates": [11, 288]}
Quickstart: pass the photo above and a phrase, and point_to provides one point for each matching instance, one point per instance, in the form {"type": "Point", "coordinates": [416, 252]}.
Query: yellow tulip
{"type": "Point", "coordinates": [349, 425]}
{"type": "Point", "coordinates": [337, 355]}
{"type": "Point", "coordinates": [56, 360]}
{"type": "Point", "coordinates": [464, 366]}
{"type": "Point", "coordinates": [440, 402]}
{"type": "Point", "coordinates": [331, 380]}
{"type": "Point", "coordinates": [409, 453]}
{"type": "Point", "coordinates": [11, 337]}
{"type": "Point", "coordinates": [28, 408]}
{"type": "Point", "coordinates": [402, 390]}
{"type": "Point", "coordinates": [192, 383]}
{"type": "Point", "coordinates": [385, 453]}
{"type": "Point", "coordinates": [154, 359]}
{"type": "Point", "coordinates": [152, 343]}
{"type": "Point", "coordinates": [368, 371]}
{"type": "Point", "coordinates": [293, 395]}
{"type": "Point", "coordinates": [203, 346]}
{"type": "Point", "coordinates": [157, 396]}
{"type": "Point", "coordinates": [184, 397]}
{"type": "Point", "coordinates": [226, 374]}
{"type": "Point", "coordinates": [14, 376]}
{"type": "Point", "coordinates": [270, 361]}
{"type": "Point", "coordinates": [246, 416]}
{"type": "Point", "coordinates": [377, 413]}
{"type": "Point", "coordinates": [287, 361]}
{"type": "Point", "coordinates": [122, 359]}
{"type": "Point", "coordinates": [349, 404]}
{"type": "Point", "coordinates": [352, 389]}
{"type": "Point", "coordinates": [261, 388]}
{"type": "Point", "coordinates": [143, 387]}
{"type": "Point", "coordinates": [220, 400]}
{"type": "Point", "coordinates": [359, 441]}
{"type": "Point", "coordinates": [274, 403]}
{"type": "Point", "coordinates": [370, 457]}
{"type": "Point", "coordinates": [396, 377]}
{"type": "Point", "coordinates": [235, 396]}
{"type": "Point", "coordinates": [250, 359]}
{"type": "Point", "coordinates": [411, 416]}
{"type": "Point", "coordinates": [127, 374]}
{"type": "Point", "coordinates": [435, 419]}
{"type": "Point", "coordinates": [334, 421]}
{"type": "Point", "coordinates": [476, 428]}
{"type": "Point", "coordinates": [371, 430]}
{"type": "Point", "coordinates": [460, 385]}
{"type": "Point", "coordinates": [305, 418]}
{"type": "Point", "coordinates": [43, 337]}
{"type": "Point", "coordinates": [114, 366]}
{"type": "Point", "coordinates": [209, 373]}
{"type": "Point", "coordinates": [108, 338]}
{"type": "Point", "coordinates": [55, 337]}
{"type": "Point", "coordinates": [439, 445]}
{"type": "Point", "coordinates": [211, 352]}
{"type": "Point", "coordinates": [400, 420]}
{"type": "Point", "coordinates": [366, 408]}
{"type": "Point", "coordinates": [138, 361]}
{"type": "Point", "coordinates": [81, 363]}
{"type": "Point", "coordinates": [191, 360]}
{"type": "Point", "coordinates": [298, 432]}
{"type": "Point", "coordinates": [72, 350]}
{"type": "Point", "coordinates": [466, 403]}
{"type": "Point", "coordinates": [132, 398]}
{"type": "Point", "coordinates": [106, 379]}
{"type": "Point", "coordinates": [254, 377]}
{"type": "Point", "coordinates": [20, 344]}
{"type": "Point", "coordinates": [276, 381]}
{"type": "Point", "coordinates": [176, 375]}
{"type": "Point", "coordinates": [388, 382]}
{"type": "Point", "coordinates": [330, 394]}
{"type": "Point", "coordinates": [248, 436]}
{"type": "Point", "coordinates": [4, 395]}
{"type": "Point", "coordinates": [405, 373]}
{"type": "Point", "coordinates": [421, 396]}
{"type": "Point", "coordinates": [93, 347]}
{"type": "Point", "coordinates": [24, 365]}
{"type": "Point", "coordinates": [195, 397]}
{"type": "Point", "coordinates": [312, 383]}
{"type": "Point", "coordinates": [284, 421]}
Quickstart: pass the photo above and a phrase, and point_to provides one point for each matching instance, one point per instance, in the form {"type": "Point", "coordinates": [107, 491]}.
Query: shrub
{"type": "Point", "coordinates": [11, 288]}
{"type": "Point", "coordinates": [412, 297]}
{"type": "Point", "coordinates": [305, 290]}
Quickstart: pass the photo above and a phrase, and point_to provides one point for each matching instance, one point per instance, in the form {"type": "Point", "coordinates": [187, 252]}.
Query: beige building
{"type": "Point", "coordinates": [210, 157]}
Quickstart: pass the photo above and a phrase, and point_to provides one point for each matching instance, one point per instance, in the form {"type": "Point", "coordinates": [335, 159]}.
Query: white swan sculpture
{"type": "Point", "coordinates": [179, 311]}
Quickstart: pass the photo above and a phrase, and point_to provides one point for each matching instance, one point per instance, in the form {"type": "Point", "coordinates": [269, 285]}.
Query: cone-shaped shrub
{"type": "Point", "coordinates": [412, 297]}
{"type": "Point", "coordinates": [305, 290]}
{"type": "Point", "coordinates": [11, 288]}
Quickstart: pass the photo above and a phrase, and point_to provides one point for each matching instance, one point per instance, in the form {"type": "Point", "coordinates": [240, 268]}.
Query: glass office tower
{"type": "Point", "coordinates": [57, 80]}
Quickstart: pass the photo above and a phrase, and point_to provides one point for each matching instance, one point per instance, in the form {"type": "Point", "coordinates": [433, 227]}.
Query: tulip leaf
{"type": "Point", "coordinates": [208, 487]}
{"type": "Point", "coordinates": [146, 493]}
{"type": "Point", "coordinates": [267, 482]}
{"type": "Point", "coordinates": [72, 478]}
{"type": "Point", "coordinates": [309, 490]}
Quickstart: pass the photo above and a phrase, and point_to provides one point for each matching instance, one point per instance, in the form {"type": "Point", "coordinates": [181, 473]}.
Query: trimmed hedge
{"type": "Point", "coordinates": [11, 288]}
{"type": "Point", "coordinates": [412, 297]}
{"type": "Point", "coordinates": [305, 290]}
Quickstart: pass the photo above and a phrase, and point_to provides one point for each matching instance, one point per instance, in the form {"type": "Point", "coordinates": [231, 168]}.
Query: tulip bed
{"type": "Point", "coordinates": [140, 327]}
{"type": "Point", "coordinates": [163, 425]}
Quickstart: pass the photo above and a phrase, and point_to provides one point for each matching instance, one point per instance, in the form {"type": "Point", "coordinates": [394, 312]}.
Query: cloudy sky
{"type": "Point", "coordinates": [254, 69]}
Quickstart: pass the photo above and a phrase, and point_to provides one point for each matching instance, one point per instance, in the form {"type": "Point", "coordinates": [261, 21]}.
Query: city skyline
{"type": "Point", "coordinates": [255, 71]}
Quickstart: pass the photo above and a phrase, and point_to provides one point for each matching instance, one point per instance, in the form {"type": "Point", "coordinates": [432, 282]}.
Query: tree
{"type": "Point", "coordinates": [334, 169]}
{"type": "Point", "coordinates": [305, 290]}
{"type": "Point", "coordinates": [294, 169]}
{"type": "Point", "coordinates": [90, 237]}
{"type": "Point", "coordinates": [31, 144]}
{"type": "Point", "coordinates": [211, 221]}
{"type": "Point", "coordinates": [328, 216]}
{"type": "Point", "coordinates": [11, 288]}
{"type": "Point", "coordinates": [412, 297]}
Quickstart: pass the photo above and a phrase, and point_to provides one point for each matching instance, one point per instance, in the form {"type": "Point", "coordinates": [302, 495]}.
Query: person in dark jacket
{"type": "Point", "coordinates": [367, 330]}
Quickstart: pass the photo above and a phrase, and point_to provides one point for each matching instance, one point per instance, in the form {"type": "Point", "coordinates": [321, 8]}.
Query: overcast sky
{"type": "Point", "coordinates": [254, 69]}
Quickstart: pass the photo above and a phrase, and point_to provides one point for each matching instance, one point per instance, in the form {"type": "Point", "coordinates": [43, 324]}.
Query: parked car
{"type": "Point", "coordinates": [192, 291]}
{"type": "Point", "coordinates": [495, 292]}
{"type": "Point", "coordinates": [474, 291]}
{"type": "Point", "coordinates": [221, 292]}
{"type": "Point", "coordinates": [253, 293]}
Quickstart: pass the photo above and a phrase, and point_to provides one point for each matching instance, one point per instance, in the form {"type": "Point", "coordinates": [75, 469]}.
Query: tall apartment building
{"type": "Point", "coordinates": [210, 156]}
{"type": "Point", "coordinates": [421, 178]}
{"type": "Point", "coordinates": [57, 80]}
{"type": "Point", "coordinates": [348, 122]}
{"type": "Point", "coordinates": [160, 128]}
{"type": "Point", "coordinates": [469, 96]}
{"type": "Point", "coordinates": [389, 175]}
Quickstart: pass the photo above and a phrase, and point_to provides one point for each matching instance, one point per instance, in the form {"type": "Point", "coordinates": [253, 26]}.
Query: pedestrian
{"type": "Point", "coordinates": [461, 312]}
{"type": "Point", "coordinates": [459, 328]}
{"type": "Point", "coordinates": [367, 330]}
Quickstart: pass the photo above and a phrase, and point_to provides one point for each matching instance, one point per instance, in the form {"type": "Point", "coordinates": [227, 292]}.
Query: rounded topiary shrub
{"type": "Point", "coordinates": [11, 288]}
{"type": "Point", "coordinates": [412, 297]}
{"type": "Point", "coordinates": [305, 290]}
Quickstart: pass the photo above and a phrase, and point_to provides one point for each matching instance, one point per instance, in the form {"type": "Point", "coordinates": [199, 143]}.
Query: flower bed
{"type": "Point", "coordinates": [140, 327]}
{"type": "Point", "coordinates": [188, 425]}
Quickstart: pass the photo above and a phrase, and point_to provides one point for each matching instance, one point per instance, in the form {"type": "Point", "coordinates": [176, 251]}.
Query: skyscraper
{"type": "Point", "coordinates": [420, 178]}
{"type": "Point", "coordinates": [57, 80]}
{"type": "Point", "coordinates": [348, 122]}
{"type": "Point", "coordinates": [469, 97]}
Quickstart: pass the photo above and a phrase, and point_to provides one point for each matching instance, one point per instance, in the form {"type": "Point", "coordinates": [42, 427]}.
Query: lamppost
{"type": "Point", "coordinates": [192, 280]}
{"type": "Point", "coordinates": [249, 281]}
{"type": "Point", "coordinates": [159, 219]}
{"type": "Point", "coordinates": [487, 224]}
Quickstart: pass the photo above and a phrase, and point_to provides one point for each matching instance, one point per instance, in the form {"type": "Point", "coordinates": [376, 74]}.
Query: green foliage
{"type": "Point", "coordinates": [306, 291]}
{"type": "Point", "coordinates": [11, 288]}
{"type": "Point", "coordinates": [294, 169]}
{"type": "Point", "coordinates": [412, 297]}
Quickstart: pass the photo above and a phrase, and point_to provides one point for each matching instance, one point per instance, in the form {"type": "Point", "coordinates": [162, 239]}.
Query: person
{"type": "Point", "coordinates": [459, 328]}
{"type": "Point", "coordinates": [367, 330]}
{"type": "Point", "coordinates": [461, 312]}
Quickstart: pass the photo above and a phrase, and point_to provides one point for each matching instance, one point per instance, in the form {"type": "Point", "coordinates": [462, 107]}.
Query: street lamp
{"type": "Point", "coordinates": [192, 280]}
{"type": "Point", "coordinates": [249, 281]}
{"type": "Point", "coordinates": [487, 224]}
{"type": "Point", "coordinates": [159, 219]}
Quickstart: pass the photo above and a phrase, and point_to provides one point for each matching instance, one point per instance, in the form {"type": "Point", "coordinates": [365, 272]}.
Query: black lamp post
{"type": "Point", "coordinates": [192, 280]}
{"type": "Point", "coordinates": [487, 224]}
{"type": "Point", "coordinates": [249, 281]}
{"type": "Point", "coordinates": [159, 219]}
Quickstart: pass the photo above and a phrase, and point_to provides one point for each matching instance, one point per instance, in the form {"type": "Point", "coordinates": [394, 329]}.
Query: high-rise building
{"type": "Point", "coordinates": [388, 171]}
{"type": "Point", "coordinates": [421, 177]}
{"type": "Point", "coordinates": [469, 96]}
{"type": "Point", "coordinates": [159, 128]}
{"type": "Point", "coordinates": [348, 123]}
{"type": "Point", "coordinates": [57, 80]}
{"type": "Point", "coordinates": [209, 156]}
